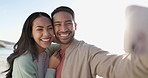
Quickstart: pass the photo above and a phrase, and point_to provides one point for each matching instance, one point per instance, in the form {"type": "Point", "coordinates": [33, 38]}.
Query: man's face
{"type": "Point", "coordinates": [64, 27]}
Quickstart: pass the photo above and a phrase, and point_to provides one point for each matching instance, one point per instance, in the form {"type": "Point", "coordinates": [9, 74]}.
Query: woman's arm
{"type": "Point", "coordinates": [54, 61]}
{"type": "Point", "coordinates": [53, 48]}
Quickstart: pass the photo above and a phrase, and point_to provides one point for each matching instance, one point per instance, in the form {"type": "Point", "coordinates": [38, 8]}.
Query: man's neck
{"type": "Point", "coordinates": [65, 46]}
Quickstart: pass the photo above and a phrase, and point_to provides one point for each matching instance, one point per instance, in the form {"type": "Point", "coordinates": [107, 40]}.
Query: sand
{"type": "Point", "coordinates": [3, 66]}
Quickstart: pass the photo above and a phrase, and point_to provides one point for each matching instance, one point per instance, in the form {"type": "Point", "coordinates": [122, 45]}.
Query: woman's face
{"type": "Point", "coordinates": [42, 32]}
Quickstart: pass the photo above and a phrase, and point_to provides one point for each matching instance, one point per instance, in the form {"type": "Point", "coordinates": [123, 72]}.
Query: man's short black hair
{"type": "Point", "coordinates": [63, 8]}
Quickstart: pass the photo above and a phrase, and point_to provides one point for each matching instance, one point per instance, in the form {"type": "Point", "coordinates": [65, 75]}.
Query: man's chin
{"type": "Point", "coordinates": [65, 41]}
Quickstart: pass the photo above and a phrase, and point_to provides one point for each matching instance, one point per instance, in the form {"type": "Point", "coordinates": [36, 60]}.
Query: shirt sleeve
{"type": "Point", "coordinates": [50, 73]}
{"type": "Point", "coordinates": [133, 65]}
{"type": "Point", "coordinates": [52, 48]}
{"type": "Point", "coordinates": [24, 67]}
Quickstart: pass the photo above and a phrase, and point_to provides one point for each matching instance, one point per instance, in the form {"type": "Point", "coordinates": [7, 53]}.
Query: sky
{"type": "Point", "coordinates": [99, 22]}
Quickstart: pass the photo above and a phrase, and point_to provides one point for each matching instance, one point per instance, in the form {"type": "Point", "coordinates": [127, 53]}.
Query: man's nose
{"type": "Point", "coordinates": [64, 28]}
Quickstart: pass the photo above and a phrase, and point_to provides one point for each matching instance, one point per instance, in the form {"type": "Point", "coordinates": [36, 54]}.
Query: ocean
{"type": "Point", "coordinates": [4, 53]}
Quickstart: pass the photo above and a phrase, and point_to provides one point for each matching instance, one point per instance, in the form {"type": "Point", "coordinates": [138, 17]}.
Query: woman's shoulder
{"type": "Point", "coordinates": [25, 58]}
{"type": "Point", "coordinates": [52, 48]}
{"type": "Point", "coordinates": [25, 65]}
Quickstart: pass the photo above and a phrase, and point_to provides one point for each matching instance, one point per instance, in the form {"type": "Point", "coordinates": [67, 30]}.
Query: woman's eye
{"type": "Point", "coordinates": [39, 29]}
{"type": "Point", "coordinates": [50, 27]}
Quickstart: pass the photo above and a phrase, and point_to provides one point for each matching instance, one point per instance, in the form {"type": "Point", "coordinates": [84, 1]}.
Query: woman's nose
{"type": "Point", "coordinates": [46, 32]}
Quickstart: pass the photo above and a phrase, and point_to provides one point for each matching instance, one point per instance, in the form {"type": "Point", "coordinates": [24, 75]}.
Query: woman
{"type": "Point", "coordinates": [30, 58]}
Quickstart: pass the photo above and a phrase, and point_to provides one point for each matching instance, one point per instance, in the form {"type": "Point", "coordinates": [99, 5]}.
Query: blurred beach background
{"type": "Point", "coordinates": [3, 63]}
{"type": "Point", "coordinates": [99, 22]}
{"type": "Point", "coordinates": [5, 49]}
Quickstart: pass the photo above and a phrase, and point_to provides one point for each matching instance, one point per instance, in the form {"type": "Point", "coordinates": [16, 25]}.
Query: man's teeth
{"type": "Point", "coordinates": [63, 35]}
{"type": "Point", "coordinates": [45, 39]}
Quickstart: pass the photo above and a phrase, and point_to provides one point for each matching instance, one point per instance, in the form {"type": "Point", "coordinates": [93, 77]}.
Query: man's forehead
{"type": "Point", "coordinates": [62, 18]}
{"type": "Point", "coordinates": [62, 14]}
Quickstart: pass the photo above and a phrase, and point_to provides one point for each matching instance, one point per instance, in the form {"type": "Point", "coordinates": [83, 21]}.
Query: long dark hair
{"type": "Point", "coordinates": [25, 43]}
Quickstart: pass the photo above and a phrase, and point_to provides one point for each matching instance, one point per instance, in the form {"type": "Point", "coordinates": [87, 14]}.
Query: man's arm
{"type": "Point", "coordinates": [118, 66]}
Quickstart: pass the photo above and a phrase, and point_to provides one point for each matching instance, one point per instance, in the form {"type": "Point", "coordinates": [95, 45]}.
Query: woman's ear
{"type": "Point", "coordinates": [54, 39]}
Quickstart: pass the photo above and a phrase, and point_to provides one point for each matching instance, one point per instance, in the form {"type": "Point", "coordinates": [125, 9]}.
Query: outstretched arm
{"type": "Point", "coordinates": [133, 65]}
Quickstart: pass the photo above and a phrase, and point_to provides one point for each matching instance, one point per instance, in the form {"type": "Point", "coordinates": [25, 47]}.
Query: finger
{"type": "Point", "coordinates": [58, 55]}
{"type": "Point", "coordinates": [58, 51]}
{"type": "Point", "coordinates": [55, 53]}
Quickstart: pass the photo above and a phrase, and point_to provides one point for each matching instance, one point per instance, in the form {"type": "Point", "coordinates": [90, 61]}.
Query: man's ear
{"type": "Point", "coordinates": [75, 26]}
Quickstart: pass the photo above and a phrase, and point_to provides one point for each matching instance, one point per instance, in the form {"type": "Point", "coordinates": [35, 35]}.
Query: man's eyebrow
{"type": "Point", "coordinates": [60, 22]}
{"type": "Point", "coordinates": [68, 20]}
{"type": "Point", "coordinates": [56, 21]}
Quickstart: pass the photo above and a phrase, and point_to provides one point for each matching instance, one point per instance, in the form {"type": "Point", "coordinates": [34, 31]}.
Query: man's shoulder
{"type": "Point", "coordinates": [85, 44]}
{"type": "Point", "coordinates": [52, 48]}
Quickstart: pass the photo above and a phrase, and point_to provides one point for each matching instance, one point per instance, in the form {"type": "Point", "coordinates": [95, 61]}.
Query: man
{"type": "Point", "coordinates": [82, 60]}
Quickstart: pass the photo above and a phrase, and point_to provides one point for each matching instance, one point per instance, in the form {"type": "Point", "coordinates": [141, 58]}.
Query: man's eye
{"type": "Point", "coordinates": [69, 24]}
{"type": "Point", "coordinates": [56, 24]}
